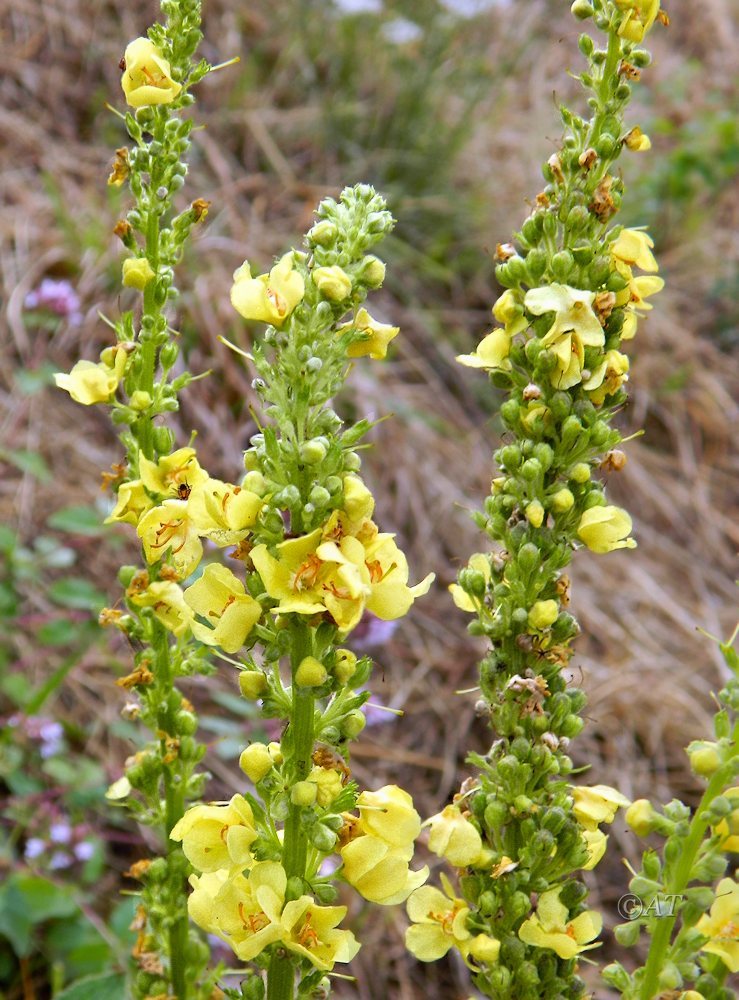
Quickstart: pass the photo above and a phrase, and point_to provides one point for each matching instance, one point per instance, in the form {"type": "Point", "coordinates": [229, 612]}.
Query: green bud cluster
{"type": "Point", "coordinates": [559, 436]}
{"type": "Point", "coordinates": [687, 918]}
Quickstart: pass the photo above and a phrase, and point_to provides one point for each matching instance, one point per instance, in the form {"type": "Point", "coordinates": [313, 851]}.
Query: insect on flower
{"type": "Point", "coordinates": [330, 759]}
{"type": "Point", "coordinates": [183, 491]}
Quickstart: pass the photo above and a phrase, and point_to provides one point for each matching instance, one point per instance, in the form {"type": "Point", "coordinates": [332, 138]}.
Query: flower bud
{"type": "Point", "coordinates": [252, 684]}
{"type": "Point", "coordinates": [562, 501]}
{"type": "Point", "coordinates": [256, 761]}
{"type": "Point", "coordinates": [310, 673]}
{"type": "Point", "coordinates": [582, 10]}
{"type": "Point", "coordinates": [580, 473]}
{"type": "Point", "coordinates": [312, 452]}
{"type": "Point", "coordinates": [704, 758]}
{"type": "Point", "coordinates": [353, 724]}
{"type": "Point", "coordinates": [641, 816]}
{"type": "Point", "coordinates": [543, 614]}
{"type": "Point", "coordinates": [345, 665]}
{"type": "Point", "coordinates": [140, 400]}
{"type": "Point", "coordinates": [333, 282]}
{"type": "Point", "coordinates": [323, 234]}
{"type": "Point", "coordinates": [535, 514]}
{"type": "Point", "coordinates": [303, 793]}
{"type": "Point", "coordinates": [137, 273]}
{"type": "Point", "coordinates": [372, 271]}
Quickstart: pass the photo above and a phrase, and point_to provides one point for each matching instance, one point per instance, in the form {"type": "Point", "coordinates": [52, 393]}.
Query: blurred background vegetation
{"type": "Point", "coordinates": [448, 108]}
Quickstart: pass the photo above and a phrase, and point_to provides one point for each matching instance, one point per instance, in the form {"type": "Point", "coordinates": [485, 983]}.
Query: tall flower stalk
{"type": "Point", "coordinates": [519, 832]}
{"type": "Point", "coordinates": [135, 378]}
{"type": "Point", "coordinates": [313, 563]}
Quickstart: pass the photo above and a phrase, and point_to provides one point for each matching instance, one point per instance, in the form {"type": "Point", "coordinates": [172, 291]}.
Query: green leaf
{"type": "Point", "coordinates": [42, 899]}
{"type": "Point", "coordinates": [112, 986]}
{"type": "Point", "coordinates": [7, 539]}
{"type": "Point", "coordinates": [77, 519]}
{"type": "Point", "coordinates": [27, 461]}
{"type": "Point", "coordinates": [75, 592]}
{"type": "Point", "coordinates": [59, 632]}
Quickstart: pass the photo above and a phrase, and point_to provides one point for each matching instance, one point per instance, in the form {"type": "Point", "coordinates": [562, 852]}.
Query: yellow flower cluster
{"type": "Point", "coordinates": [341, 568]}
{"type": "Point", "coordinates": [592, 806]}
{"type": "Point", "coordinates": [633, 248]}
{"type": "Point", "coordinates": [378, 844]}
{"type": "Point", "coordinates": [242, 901]}
{"type": "Point", "coordinates": [191, 506]}
{"type": "Point", "coordinates": [550, 927]}
{"type": "Point", "coordinates": [440, 923]}
{"type": "Point", "coordinates": [576, 324]}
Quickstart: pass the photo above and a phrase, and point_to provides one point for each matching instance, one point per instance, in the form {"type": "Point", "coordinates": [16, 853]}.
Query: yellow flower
{"type": "Point", "coordinates": [244, 912]}
{"type": "Point", "coordinates": [454, 838]}
{"type": "Point", "coordinates": [728, 828]}
{"type": "Point", "coordinates": [640, 16]}
{"type": "Point", "coordinates": [308, 577]}
{"type": "Point", "coordinates": [493, 350]}
{"type": "Point", "coordinates": [270, 298]}
{"type": "Point", "coordinates": [358, 501]}
{"type": "Point", "coordinates": [440, 923]}
{"type": "Point", "coordinates": [171, 472]}
{"type": "Point", "coordinates": [608, 377]}
{"type": "Point", "coordinates": [637, 141]}
{"type": "Point", "coordinates": [374, 339]}
{"type": "Point", "coordinates": [641, 288]}
{"type": "Point", "coordinates": [491, 353]}
{"type": "Point", "coordinates": [480, 563]}
{"type": "Point", "coordinates": [147, 78]}
{"type": "Point", "coordinates": [721, 926]}
{"type": "Point", "coordinates": [507, 310]}
{"type": "Point", "coordinates": [390, 596]}
{"type": "Point", "coordinates": [604, 529]}
{"type": "Point", "coordinates": [310, 931]}
{"type": "Point", "coordinates": [596, 804]}
{"type": "Point", "coordinates": [132, 502]}
{"type": "Point", "coordinates": [251, 913]}
{"type": "Point", "coordinates": [137, 273]}
{"type": "Point", "coordinates": [333, 282]}
{"type": "Point", "coordinates": [215, 837]}
{"type": "Point", "coordinates": [223, 512]}
{"type": "Point", "coordinates": [378, 871]}
{"type": "Point", "coordinates": [595, 843]}
{"type": "Point", "coordinates": [633, 247]}
{"type": "Point", "coordinates": [550, 927]}
{"type": "Point", "coordinates": [168, 603]}
{"type": "Point", "coordinates": [168, 530]}
{"type": "Point", "coordinates": [90, 383]}
{"type": "Point", "coordinates": [575, 327]}
{"type": "Point", "coordinates": [220, 598]}
{"type": "Point", "coordinates": [388, 813]}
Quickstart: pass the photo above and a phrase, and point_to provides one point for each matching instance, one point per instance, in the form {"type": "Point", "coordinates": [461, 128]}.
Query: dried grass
{"type": "Point", "coordinates": [647, 670]}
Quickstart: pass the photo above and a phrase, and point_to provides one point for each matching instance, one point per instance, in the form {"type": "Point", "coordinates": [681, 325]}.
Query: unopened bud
{"type": "Point", "coordinates": [256, 761]}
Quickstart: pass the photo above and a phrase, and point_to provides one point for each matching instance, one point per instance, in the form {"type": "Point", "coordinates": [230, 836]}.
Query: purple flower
{"type": "Point", "coordinates": [60, 833]}
{"type": "Point", "coordinates": [84, 850]}
{"type": "Point", "coordinates": [60, 859]}
{"type": "Point", "coordinates": [35, 847]}
{"type": "Point", "coordinates": [57, 297]}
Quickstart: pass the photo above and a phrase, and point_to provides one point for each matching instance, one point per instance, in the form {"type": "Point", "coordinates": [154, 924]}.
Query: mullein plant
{"type": "Point", "coordinates": [157, 489]}
{"type": "Point", "coordinates": [312, 563]}
{"type": "Point", "coordinates": [682, 901]}
{"type": "Point", "coordinates": [306, 561]}
{"type": "Point", "coordinates": [577, 286]}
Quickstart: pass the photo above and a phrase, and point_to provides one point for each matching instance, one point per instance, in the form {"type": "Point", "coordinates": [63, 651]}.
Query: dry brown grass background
{"type": "Point", "coordinates": [647, 670]}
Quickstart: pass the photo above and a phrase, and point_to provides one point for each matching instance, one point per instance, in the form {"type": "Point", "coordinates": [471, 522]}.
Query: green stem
{"type": "Point", "coordinates": [281, 976]}
{"type": "Point", "coordinates": [676, 885]}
